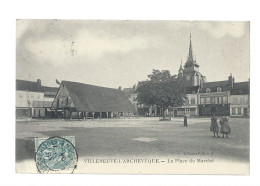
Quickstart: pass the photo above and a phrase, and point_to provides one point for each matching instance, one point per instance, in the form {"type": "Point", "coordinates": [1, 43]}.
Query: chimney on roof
{"type": "Point", "coordinates": [39, 83]}
{"type": "Point", "coordinates": [120, 88]}
{"type": "Point", "coordinates": [231, 81]}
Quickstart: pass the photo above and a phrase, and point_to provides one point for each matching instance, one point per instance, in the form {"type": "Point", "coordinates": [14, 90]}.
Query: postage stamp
{"type": "Point", "coordinates": [56, 155]}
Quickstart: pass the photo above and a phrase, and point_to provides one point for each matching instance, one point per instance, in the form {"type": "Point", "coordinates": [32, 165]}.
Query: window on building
{"type": "Point", "coordinates": [34, 112]}
{"type": "Point", "coordinates": [220, 100]}
{"type": "Point", "coordinates": [218, 89]}
{"type": "Point", "coordinates": [225, 99]}
{"type": "Point", "coordinates": [239, 111]}
{"type": "Point", "coordinates": [38, 96]}
{"type": "Point", "coordinates": [202, 101]}
{"type": "Point", "coordinates": [233, 111]}
{"type": "Point", "coordinates": [207, 100]}
{"type": "Point", "coordinates": [216, 100]}
{"type": "Point", "coordinates": [192, 101]}
{"type": "Point", "coordinates": [208, 90]}
{"type": "Point", "coordinates": [39, 112]}
{"type": "Point", "coordinates": [27, 94]}
{"type": "Point", "coordinates": [32, 96]}
{"type": "Point", "coordinates": [20, 95]}
{"type": "Point", "coordinates": [212, 100]}
{"type": "Point", "coordinates": [67, 101]}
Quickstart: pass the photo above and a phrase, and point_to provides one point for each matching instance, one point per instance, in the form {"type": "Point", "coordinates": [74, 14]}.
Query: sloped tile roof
{"type": "Point", "coordinates": [33, 86]}
{"type": "Point", "coordinates": [241, 88]}
{"type": "Point", "coordinates": [24, 85]}
{"type": "Point", "coordinates": [98, 99]}
{"type": "Point", "coordinates": [49, 89]}
{"type": "Point", "coordinates": [224, 85]}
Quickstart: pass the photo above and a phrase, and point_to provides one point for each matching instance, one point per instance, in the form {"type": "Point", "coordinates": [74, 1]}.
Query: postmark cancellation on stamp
{"type": "Point", "coordinates": [55, 154]}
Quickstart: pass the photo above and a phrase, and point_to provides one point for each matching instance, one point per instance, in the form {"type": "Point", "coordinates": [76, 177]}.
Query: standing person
{"type": "Point", "coordinates": [185, 121]}
{"type": "Point", "coordinates": [225, 128]}
{"type": "Point", "coordinates": [214, 125]}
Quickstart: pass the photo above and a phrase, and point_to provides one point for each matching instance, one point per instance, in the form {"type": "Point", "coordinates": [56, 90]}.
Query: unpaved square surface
{"type": "Point", "coordinates": [137, 137]}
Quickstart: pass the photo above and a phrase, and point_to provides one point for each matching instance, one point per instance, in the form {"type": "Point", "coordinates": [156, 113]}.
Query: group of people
{"type": "Point", "coordinates": [224, 126]}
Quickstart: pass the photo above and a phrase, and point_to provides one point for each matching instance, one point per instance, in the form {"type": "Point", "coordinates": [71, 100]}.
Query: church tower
{"type": "Point", "coordinates": [180, 72]}
{"type": "Point", "coordinates": [191, 74]}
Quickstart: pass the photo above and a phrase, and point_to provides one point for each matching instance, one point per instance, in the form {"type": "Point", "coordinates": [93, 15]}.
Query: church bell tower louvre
{"type": "Point", "coordinates": [191, 73]}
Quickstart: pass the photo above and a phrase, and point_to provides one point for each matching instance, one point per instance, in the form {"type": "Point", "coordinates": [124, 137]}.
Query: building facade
{"type": "Point", "coordinates": [41, 109]}
{"type": "Point", "coordinates": [29, 94]}
{"type": "Point", "coordinates": [190, 107]}
{"type": "Point", "coordinates": [240, 100]}
{"type": "Point", "coordinates": [239, 106]}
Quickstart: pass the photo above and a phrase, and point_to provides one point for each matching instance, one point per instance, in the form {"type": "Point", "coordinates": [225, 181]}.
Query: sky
{"type": "Point", "coordinates": [113, 53]}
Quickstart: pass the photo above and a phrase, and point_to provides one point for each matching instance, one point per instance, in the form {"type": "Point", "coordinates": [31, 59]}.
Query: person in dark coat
{"type": "Point", "coordinates": [214, 125]}
{"type": "Point", "coordinates": [225, 128]}
{"type": "Point", "coordinates": [185, 121]}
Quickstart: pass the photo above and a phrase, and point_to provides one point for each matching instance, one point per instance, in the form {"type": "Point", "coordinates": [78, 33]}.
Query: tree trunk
{"type": "Point", "coordinates": [164, 114]}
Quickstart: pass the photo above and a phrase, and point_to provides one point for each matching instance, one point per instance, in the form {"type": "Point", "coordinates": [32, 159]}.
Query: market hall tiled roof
{"type": "Point", "coordinates": [97, 99]}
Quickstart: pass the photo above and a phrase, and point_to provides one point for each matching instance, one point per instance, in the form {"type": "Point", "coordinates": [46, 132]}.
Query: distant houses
{"type": "Point", "coordinates": [219, 98]}
{"type": "Point", "coordinates": [203, 98]}
{"type": "Point", "coordinates": [33, 99]}
{"type": "Point", "coordinates": [78, 100]}
{"type": "Point", "coordinates": [131, 94]}
{"type": "Point", "coordinates": [208, 98]}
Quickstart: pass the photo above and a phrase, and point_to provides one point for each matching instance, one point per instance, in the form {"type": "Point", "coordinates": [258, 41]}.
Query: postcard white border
{"type": "Point", "coordinates": [134, 9]}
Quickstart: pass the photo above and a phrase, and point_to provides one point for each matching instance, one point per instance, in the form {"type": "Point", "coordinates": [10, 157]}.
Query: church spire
{"type": "Point", "coordinates": [181, 66]}
{"type": "Point", "coordinates": [190, 56]}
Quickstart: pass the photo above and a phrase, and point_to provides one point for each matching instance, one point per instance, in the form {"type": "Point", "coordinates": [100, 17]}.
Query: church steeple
{"type": "Point", "coordinates": [181, 66]}
{"type": "Point", "coordinates": [190, 56]}
{"type": "Point", "coordinates": [190, 73]}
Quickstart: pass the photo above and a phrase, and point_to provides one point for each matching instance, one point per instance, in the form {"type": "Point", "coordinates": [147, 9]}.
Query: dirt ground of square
{"type": "Point", "coordinates": [137, 137]}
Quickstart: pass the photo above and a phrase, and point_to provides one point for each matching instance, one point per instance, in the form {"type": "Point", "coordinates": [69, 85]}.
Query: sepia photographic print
{"type": "Point", "coordinates": [132, 97]}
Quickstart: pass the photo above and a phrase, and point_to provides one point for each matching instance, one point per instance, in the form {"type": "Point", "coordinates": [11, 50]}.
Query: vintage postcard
{"type": "Point", "coordinates": [132, 97]}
